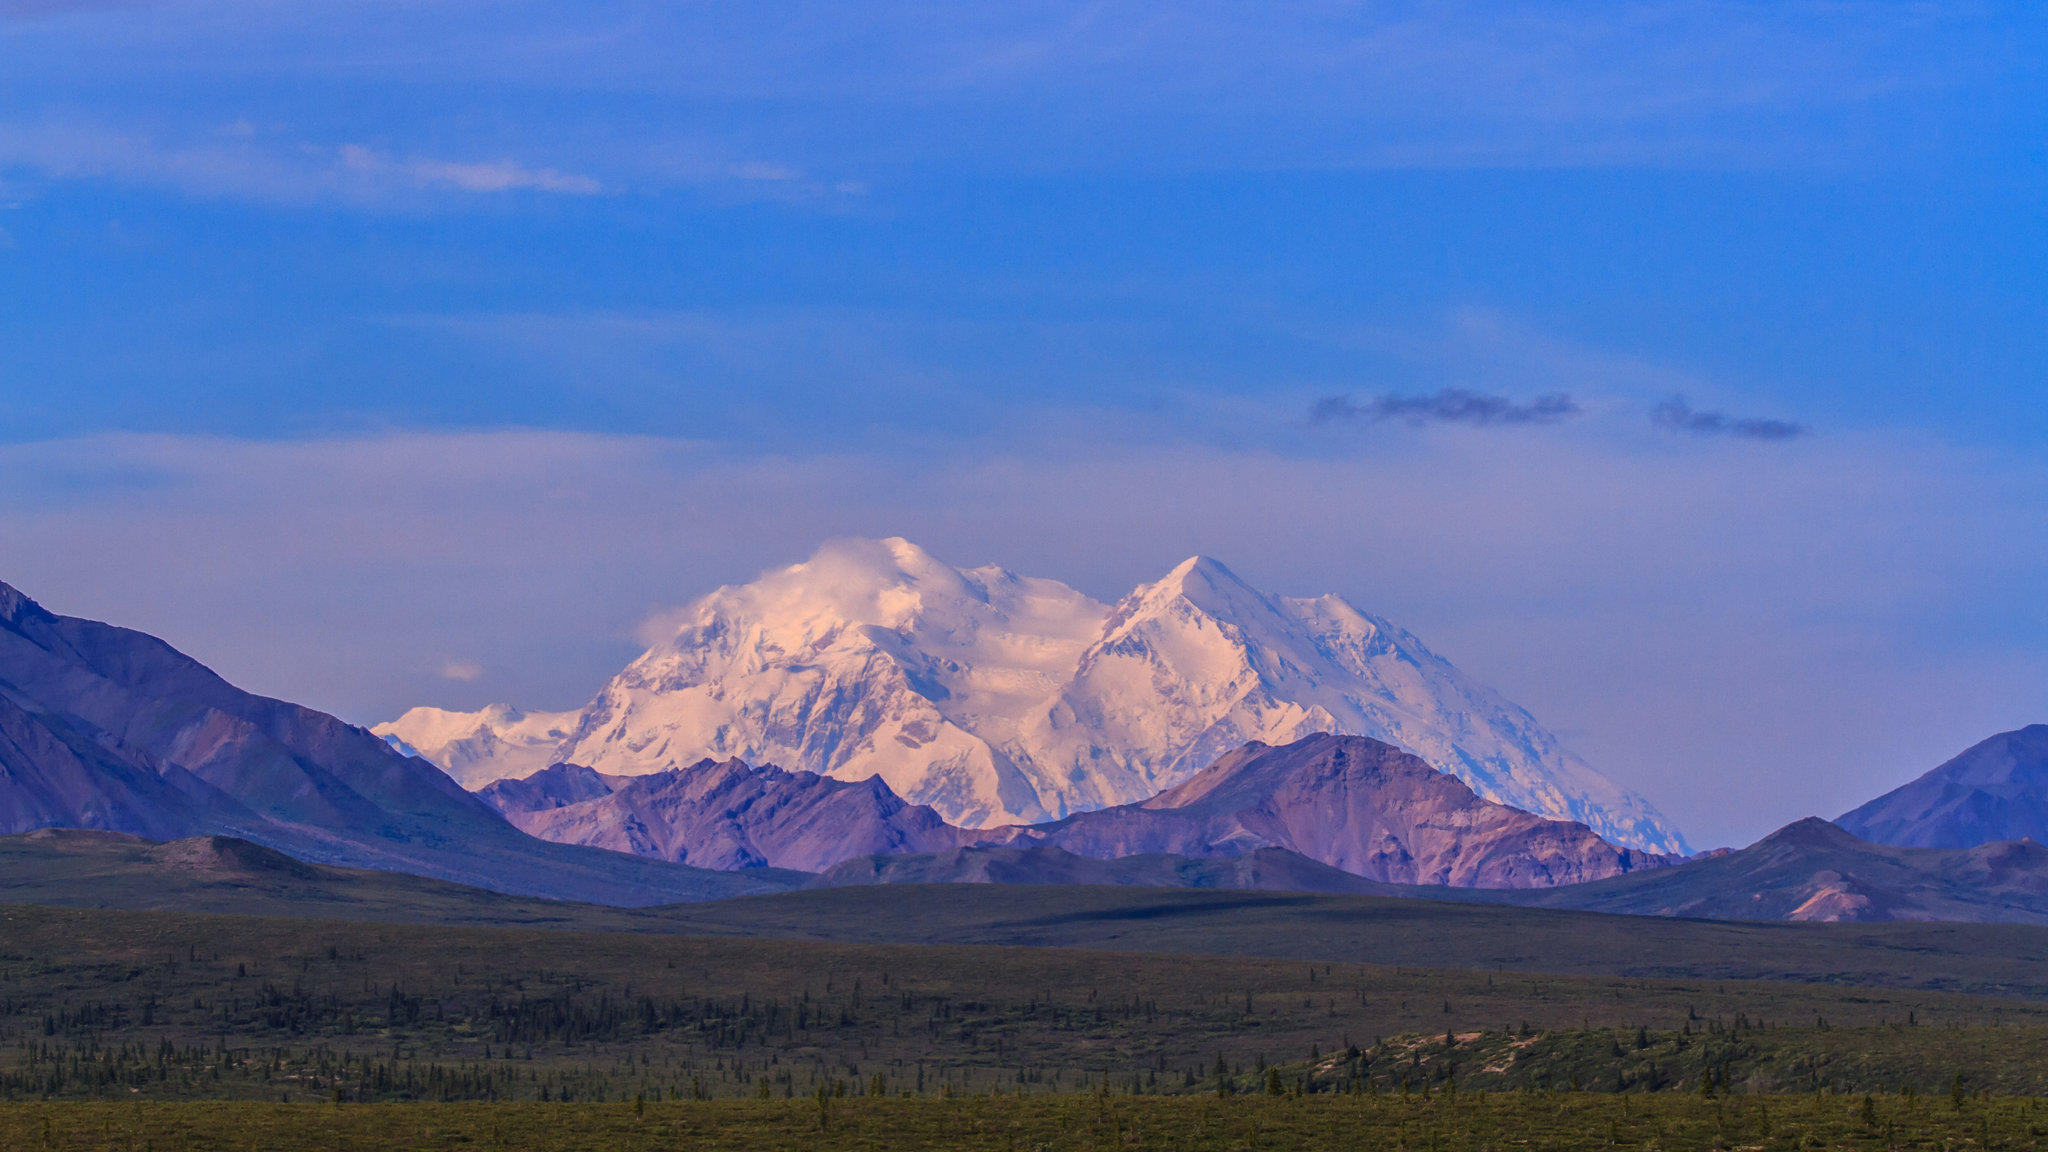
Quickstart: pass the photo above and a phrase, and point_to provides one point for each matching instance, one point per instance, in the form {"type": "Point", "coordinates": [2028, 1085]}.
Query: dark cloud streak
{"type": "Point", "coordinates": [1679, 416]}
{"type": "Point", "coordinates": [1450, 406]}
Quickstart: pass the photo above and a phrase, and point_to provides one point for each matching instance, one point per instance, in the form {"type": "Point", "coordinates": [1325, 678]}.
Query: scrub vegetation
{"type": "Point", "coordinates": [175, 1006]}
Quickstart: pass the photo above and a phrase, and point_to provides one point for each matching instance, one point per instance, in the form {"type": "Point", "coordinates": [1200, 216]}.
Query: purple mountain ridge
{"type": "Point", "coordinates": [556, 786]}
{"type": "Point", "coordinates": [1349, 803]}
{"type": "Point", "coordinates": [1997, 789]}
{"type": "Point", "coordinates": [726, 814]}
{"type": "Point", "coordinates": [107, 728]}
{"type": "Point", "coordinates": [1356, 804]}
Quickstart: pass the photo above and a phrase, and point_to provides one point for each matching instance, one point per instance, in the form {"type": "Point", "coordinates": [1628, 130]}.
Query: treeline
{"type": "Point", "coordinates": [242, 1034]}
{"type": "Point", "coordinates": [56, 1070]}
{"type": "Point", "coordinates": [1954, 1064]}
{"type": "Point", "coordinates": [568, 1016]}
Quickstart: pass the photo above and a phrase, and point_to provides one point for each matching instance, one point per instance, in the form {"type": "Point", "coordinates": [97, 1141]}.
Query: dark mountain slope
{"type": "Point", "coordinates": [278, 759]}
{"type": "Point", "coordinates": [1996, 790]}
{"type": "Point", "coordinates": [1814, 871]}
{"type": "Point", "coordinates": [111, 728]}
{"type": "Point", "coordinates": [52, 774]}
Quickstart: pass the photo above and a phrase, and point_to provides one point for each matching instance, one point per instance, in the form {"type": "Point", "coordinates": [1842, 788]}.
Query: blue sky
{"type": "Point", "coordinates": [348, 342]}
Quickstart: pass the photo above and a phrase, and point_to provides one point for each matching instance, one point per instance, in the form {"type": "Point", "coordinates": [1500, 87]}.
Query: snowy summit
{"type": "Point", "coordinates": [997, 698]}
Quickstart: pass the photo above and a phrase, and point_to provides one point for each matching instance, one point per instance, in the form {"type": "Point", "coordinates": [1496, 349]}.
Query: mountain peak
{"type": "Point", "coordinates": [888, 583]}
{"type": "Point", "coordinates": [1996, 789]}
{"type": "Point", "coordinates": [1811, 832]}
{"type": "Point", "coordinates": [891, 558]}
{"type": "Point", "coordinates": [14, 604]}
{"type": "Point", "coordinates": [998, 698]}
{"type": "Point", "coordinates": [1204, 584]}
{"type": "Point", "coordinates": [1199, 572]}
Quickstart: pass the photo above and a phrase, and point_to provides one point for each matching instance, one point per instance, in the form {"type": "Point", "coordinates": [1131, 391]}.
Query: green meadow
{"type": "Point", "coordinates": [1542, 1121]}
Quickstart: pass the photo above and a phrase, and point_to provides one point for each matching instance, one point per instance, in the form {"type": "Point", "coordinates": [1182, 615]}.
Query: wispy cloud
{"type": "Point", "coordinates": [835, 89]}
{"type": "Point", "coordinates": [1450, 406]}
{"type": "Point", "coordinates": [725, 175]}
{"type": "Point", "coordinates": [240, 162]}
{"type": "Point", "coordinates": [496, 176]}
{"type": "Point", "coordinates": [1680, 416]}
{"type": "Point", "coordinates": [462, 671]}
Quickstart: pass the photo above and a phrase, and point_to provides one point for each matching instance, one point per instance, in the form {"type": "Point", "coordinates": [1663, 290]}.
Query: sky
{"type": "Point", "coordinates": [1677, 368]}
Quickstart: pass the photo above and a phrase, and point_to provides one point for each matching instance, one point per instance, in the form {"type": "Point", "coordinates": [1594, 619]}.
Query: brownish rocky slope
{"type": "Point", "coordinates": [726, 814]}
{"type": "Point", "coordinates": [1356, 804]}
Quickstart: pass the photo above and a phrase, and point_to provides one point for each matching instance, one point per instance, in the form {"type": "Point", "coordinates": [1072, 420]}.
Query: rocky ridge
{"type": "Point", "coordinates": [1346, 803]}
{"type": "Point", "coordinates": [725, 814]}
{"type": "Point", "coordinates": [1356, 804]}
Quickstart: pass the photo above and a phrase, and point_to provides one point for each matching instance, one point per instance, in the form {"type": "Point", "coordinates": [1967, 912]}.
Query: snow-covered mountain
{"type": "Point", "coordinates": [996, 698]}
{"type": "Point", "coordinates": [495, 742]}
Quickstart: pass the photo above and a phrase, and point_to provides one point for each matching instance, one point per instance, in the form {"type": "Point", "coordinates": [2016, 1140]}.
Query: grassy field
{"type": "Point", "coordinates": [1547, 1122]}
{"type": "Point", "coordinates": [177, 1032]}
{"type": "Point", "coordinates": [130, 1005]}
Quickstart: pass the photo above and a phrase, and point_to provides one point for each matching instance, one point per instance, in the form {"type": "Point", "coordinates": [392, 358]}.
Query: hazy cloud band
{"type": "Point", "coordinates": [1450, 406]}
